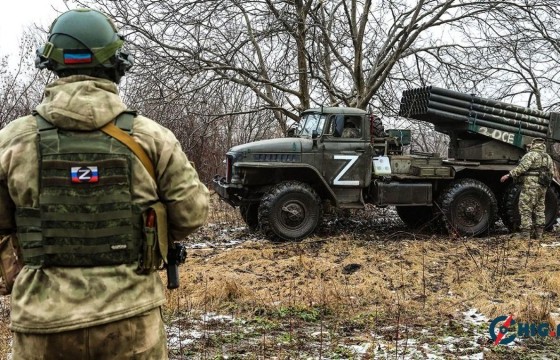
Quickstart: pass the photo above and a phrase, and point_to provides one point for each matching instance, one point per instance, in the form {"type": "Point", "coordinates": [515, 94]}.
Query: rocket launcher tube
{"type": "Point", "coordinates": [488, 117]}
{"type": "Point", "coordinates": [427, 99]}
{"type": "Point", "coordinates": [444, 115]}
{"type": "Point", "coordinates": [484, 101]}
{"type": "Point", "coordinates": [490, 110]}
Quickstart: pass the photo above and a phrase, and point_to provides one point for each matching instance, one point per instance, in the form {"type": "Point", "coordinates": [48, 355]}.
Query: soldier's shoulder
{"type": "Point", "coordinates": [527, 157]}
{"type": "Point", "coordinates": [144, 126]}
{"type": "Point", "coordinates": [25, 126]}
{"type": "Point", "coordinates": [534, 154]}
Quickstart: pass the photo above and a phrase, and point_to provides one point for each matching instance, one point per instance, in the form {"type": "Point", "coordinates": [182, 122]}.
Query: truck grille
{"type": "Point", "coordinates": [278, 157]}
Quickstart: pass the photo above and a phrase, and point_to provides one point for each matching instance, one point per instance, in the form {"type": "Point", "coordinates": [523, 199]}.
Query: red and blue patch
{"type": "Point", "coordinates": [77, 58]}
{"type": "Point", "coordinates": [84, 174]}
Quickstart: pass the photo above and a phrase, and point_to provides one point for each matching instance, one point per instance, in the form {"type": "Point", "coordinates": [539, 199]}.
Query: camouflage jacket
{"type": "Point", "coordinates": [531, 162]}
{"type": "Point", "coordinates": [56, 299]}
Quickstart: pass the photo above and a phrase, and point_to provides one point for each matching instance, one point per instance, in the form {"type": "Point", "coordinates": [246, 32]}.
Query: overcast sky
{"type": "Point", "coordinates": [17, 15]}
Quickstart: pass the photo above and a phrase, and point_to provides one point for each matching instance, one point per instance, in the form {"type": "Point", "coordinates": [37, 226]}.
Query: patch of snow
{"type": "Point", "coordinates": [472, 316]}
{"type": "Point", "coordinates": [554, 244]}
{"type": "Point", "coordinates": [359, 349]}
{"type": "Point", "coordinates": [477, 356]}
{"type": "Point", "coordinates": [216, 317]}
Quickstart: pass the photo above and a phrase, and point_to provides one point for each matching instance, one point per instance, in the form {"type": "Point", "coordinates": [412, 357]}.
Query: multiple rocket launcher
{"type": "Point", "coordinates": [452, 111]}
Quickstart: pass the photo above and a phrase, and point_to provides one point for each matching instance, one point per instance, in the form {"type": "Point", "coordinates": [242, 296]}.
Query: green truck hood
{"type": "Point", "coordinates": [282, 145]}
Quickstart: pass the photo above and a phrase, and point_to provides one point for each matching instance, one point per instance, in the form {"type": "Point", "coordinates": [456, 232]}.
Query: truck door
{"type": "Point", "coordinates": [347, 157]}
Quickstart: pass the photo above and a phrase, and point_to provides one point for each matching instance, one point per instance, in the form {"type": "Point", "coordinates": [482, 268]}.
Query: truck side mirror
{"type": "Point", "coordinates": [338, 125]}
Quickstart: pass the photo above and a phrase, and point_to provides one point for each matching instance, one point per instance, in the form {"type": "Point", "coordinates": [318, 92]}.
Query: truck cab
{"type": "Point", "coordinates": [329, 158]}
{"type": "Point", "coordinates": [344, 151]}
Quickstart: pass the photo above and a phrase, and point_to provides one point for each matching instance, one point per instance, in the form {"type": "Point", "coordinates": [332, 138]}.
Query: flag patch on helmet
{"type": "Point", "coordinates": [77, 57]}
{"type": "Point", "coordinates": [84, 174]}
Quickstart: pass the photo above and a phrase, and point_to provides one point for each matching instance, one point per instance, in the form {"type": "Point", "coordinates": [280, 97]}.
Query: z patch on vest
{"type": "Point", "coordinates": [84, 174]}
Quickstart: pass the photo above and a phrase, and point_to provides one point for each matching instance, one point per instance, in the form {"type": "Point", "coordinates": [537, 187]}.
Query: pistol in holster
{"type": "Point", "coordinates": [176, 256]}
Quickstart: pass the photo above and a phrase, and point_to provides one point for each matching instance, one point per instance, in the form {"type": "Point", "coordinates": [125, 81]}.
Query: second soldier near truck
{"type": "Point", "coordinates": [534, 173]}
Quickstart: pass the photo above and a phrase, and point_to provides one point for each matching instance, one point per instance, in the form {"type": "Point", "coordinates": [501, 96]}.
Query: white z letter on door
{"type": "Point", "coordinates": [353, 159]}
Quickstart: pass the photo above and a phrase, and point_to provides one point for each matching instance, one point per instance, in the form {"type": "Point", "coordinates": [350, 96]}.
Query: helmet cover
{"type": "Point", "coordinates": [81, 41]}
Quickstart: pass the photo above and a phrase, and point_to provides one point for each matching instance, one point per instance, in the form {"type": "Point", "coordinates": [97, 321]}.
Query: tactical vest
{"type": "Point", "coordinates": [85, 216]}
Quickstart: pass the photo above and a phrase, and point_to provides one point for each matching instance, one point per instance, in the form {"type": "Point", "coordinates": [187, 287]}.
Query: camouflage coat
{"type": "Point", "coordinates": [55, 299]}
{"type": "Point", "coordinates": [531, 162]}
{"type": "Point", "coordinates": [532, 196]}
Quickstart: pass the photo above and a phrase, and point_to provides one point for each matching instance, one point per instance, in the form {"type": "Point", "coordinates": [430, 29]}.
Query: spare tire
{"type": "Point", "coordinates": [376, 127]}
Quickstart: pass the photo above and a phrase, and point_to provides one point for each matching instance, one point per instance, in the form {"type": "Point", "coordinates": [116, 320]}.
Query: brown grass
{"type": "Point", "coordinates": [427, 279]}
{"type": "Point", "coordinates": [405, 279]}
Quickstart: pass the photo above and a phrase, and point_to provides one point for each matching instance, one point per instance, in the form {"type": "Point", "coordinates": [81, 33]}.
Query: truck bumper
{"type": "Point", "coordinates": [225, 191]}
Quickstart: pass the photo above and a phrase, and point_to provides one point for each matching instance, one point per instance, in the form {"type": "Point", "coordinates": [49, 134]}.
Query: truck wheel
{"type": "Point", "coordinates": [250, 214]}
{"type": "Point", "coordinates": [509, 207]}
{"type": "Point", "coordinates": [415, 216]}
{"type": "Point", "coordinates": [468, 207]}
{"type": "Point", "coordinates": [290, 210]}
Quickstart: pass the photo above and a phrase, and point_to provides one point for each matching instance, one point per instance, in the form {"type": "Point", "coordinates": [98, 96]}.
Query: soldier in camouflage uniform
{"type": "Point", "coordinates": [534, 172]}
{"type": "Point", "coordinates": [108, 311]}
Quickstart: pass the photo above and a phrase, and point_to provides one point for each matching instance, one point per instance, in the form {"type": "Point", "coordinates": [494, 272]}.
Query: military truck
{"type": "Point", "coordinates": [344, 156]}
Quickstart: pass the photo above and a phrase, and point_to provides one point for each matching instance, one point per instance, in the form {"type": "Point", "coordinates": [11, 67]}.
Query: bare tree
{"type": "Point", "coordinates": [206, 122]}
{"type": "Point", "coordinates": [21, 85]}
{"type": "Point", "coordinates": [290, 54]}
{"type": "Point", "coordinates": [510, 52]}
{"type": "Point", "coordinates": [211, 64]}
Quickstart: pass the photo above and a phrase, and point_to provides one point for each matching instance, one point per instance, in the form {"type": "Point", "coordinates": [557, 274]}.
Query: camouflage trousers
{"type": "Point", "coordinates": [140, 337]}
{"type": "Point", "coordinates": [531, 205]}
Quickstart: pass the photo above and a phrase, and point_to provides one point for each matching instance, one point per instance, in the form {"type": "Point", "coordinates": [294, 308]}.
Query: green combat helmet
{"type": "Point", "coordinates": [86, 42]}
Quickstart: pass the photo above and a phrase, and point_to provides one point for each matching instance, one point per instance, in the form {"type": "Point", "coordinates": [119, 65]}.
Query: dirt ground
{"type": "Point", "coordinates": [363, 287]}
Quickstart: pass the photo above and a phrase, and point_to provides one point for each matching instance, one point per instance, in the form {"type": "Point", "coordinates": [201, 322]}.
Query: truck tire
{"type": "Point", "coordinates": [290, 211]}
{"type": "Point", "coordinates": [415, 217]}
{"type": "Point", "coordinates": [509, 207]}
{"type": "Point", "coordinates": [250, 214]}
{"type": "Point", "coordinates": [468, 207]}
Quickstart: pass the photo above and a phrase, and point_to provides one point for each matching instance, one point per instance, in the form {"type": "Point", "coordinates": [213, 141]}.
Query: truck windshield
{"type": "Point", "coordinates": [310, 122]}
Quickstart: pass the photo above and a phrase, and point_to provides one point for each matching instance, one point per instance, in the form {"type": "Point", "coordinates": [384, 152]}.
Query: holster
{"type": "Point", "coordinates": [11, 262]}
{"type": "Point", "coordinates": [154, 243]}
